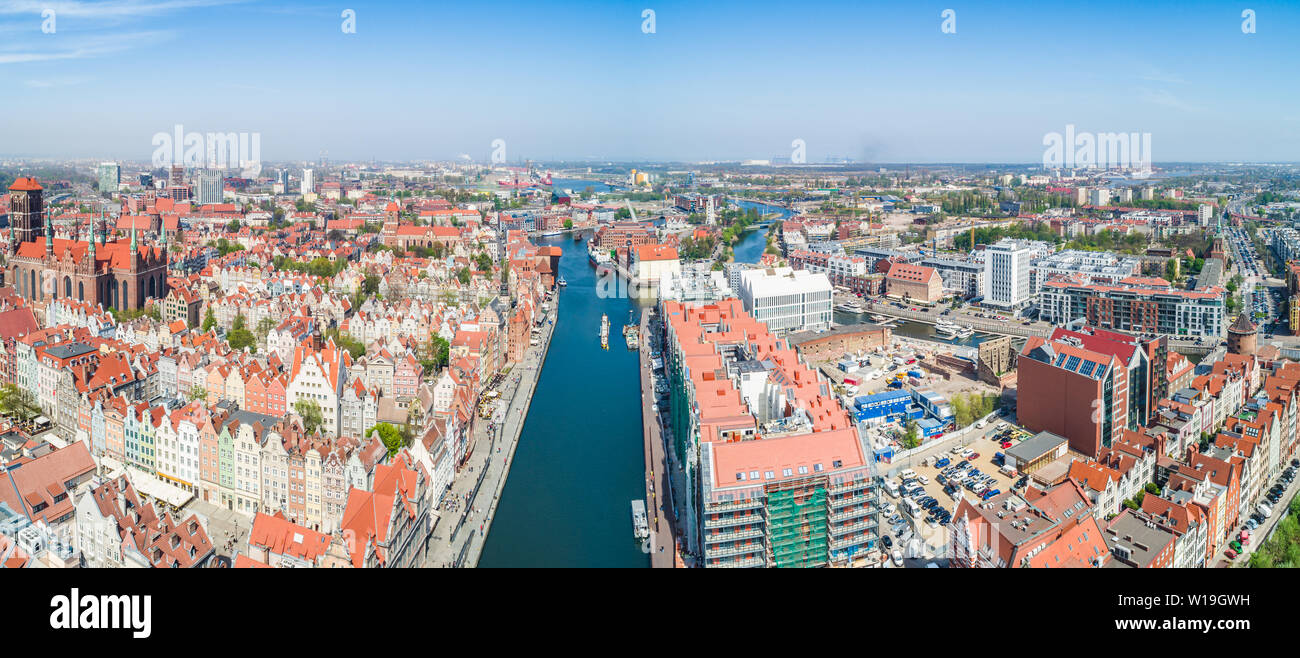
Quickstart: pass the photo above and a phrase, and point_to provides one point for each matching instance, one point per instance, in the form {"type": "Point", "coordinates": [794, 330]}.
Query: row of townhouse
{"type": "Point", "coordinates": [241, 460]}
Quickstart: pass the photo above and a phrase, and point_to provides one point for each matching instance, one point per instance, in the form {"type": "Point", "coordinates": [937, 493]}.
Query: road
{"type": "Point", "coordinates": [963, 316]}
{"type": "Point", "coordinates": [1258, 534]}
{"type": "Point", "coordinates": [466, 516]}
{"type": "Point", "coordinates": [663, 549]}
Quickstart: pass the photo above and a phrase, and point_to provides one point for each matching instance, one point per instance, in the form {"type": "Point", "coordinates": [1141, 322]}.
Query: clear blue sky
{"type": "Point", "coordinates": [874, 81]}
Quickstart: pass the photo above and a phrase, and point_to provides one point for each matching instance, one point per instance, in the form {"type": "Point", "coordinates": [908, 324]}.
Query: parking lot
{"type": "Point", "coordinates": [983, 449]}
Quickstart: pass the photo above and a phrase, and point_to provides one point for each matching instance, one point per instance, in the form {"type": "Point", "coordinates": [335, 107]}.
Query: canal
{"type": "Point", "coordinates": [579, 464]}
{"type": "Point", "coordinates": [752, 243]}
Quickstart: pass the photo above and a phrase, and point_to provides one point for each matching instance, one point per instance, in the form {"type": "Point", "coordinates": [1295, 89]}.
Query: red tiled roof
{"type": "Point", "coordinates": [25, 184]}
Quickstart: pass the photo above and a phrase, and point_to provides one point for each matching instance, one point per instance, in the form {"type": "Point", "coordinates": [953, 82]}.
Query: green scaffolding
{"type": "Point", "coordinates": [796, 527]}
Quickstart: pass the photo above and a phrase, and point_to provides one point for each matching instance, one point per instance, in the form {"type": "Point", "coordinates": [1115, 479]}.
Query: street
{"type": "Point", "coordinates": [459, 534]}
{"type": "Point", "coordinates": [658, 508]}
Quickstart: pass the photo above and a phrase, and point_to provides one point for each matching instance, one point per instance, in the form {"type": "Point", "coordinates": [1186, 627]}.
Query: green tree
{"type": "Point", "coordinates": [961, 410]}
{"type": "Point", "coordinates": [910, 438]}
{"type": "Point", "coordinates": [391, 436]}
{"type": "Point", "coordinates": [197, 392]}
{"type": "Point", "coordinates": [310, 413]}
{"type": "Point", "coordinates": [436, 354]}
{"type": "Point", "coordinates": [209, 320]}
{"type": "Point", "coordinates": [568, 223]}
{"type": "Point", "coordinates": [18, 403]}
{"type": "Point", "coordinates": [354, 347]}
{"type": "Point", "coordinates": [370, 286]}
{"type": "Point", "coordinates": [240, 337]}
{"type": "Point", "coordinates": [463, 276]}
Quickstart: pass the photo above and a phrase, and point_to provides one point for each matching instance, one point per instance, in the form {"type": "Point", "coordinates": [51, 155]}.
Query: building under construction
{"type": "Point", "coordinates": [774, 468]}
{"type": "Point", "coordinates": [814, 514]}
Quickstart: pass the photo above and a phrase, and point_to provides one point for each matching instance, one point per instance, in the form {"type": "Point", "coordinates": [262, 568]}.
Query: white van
{"type": "Point", "coordinates": [980, 425]}
{"type": "Point", "coordinates": [908, 474]}
{"type": "Point", "coordinates": [912, 508]}
{"type": "Point", "coordinates": [891, 487]}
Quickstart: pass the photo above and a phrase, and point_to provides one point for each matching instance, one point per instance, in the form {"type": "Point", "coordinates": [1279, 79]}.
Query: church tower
{"type": "Point", "coordinates": [25, 207]}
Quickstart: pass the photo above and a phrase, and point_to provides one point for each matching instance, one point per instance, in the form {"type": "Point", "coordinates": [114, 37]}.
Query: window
{"type": "Point", "coordinates": [817, 468]}
{"type": "Point", "coordinates": [768, 475]}
{"type": "Point", "coordinates": [803, 470]}
{"type": "Point", "coordinates": [753, 475]}
{"type": "Point", "coordinates": [787, 472]}
{"type": "Point", "coordinates": [740, 477]}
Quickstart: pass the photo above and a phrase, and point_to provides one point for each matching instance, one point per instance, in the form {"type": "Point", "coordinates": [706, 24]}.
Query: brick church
{"type": "Point", "coordinates": [116, 273]}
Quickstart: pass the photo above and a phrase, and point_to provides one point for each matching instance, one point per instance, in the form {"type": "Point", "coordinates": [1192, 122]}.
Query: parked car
{"type": "Point", "coordinates": [897, 557]}
{"type": "Point", "coordinates": [1231, 554]}
{"type": "Point", "coordinates": [889, 543]}
{"type": "Point", "coordinates": [1006, 444]}
{"type": "Point", "coordinates": [973, 456]}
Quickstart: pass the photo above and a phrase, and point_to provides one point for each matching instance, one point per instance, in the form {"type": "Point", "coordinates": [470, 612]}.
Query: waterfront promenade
{"type": "Point", "coordinates": [459, 535]}
{"type": "Point", "coordinates": [657, 478]}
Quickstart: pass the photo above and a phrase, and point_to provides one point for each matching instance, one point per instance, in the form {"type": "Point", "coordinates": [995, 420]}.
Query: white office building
{"type": "Point", "coordinates": [786, 299]}
{"type": "Point", "coordinates": [308, 182]}
{"type": "Point", "coordinates": [210, 186]}
{"type": "Point", "coordinates": [1099, 196]}
{"type": "Point", "coordinates": [1007, 264]}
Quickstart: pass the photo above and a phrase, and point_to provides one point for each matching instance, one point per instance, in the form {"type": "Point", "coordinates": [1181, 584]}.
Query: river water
{"type": "Point", "coordinates": [579, 464]}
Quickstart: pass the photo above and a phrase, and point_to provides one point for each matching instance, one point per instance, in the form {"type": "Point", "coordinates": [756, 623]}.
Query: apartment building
{"type": "Point", "coordinates": [1089, 267]}
{"type": "Point", "coordinates": [1136, 304]}
{"type": "Point", "coordinates": [782, 478]}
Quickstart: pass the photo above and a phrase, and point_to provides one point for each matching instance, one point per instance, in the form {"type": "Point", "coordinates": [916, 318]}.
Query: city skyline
{"type": "Point", "coordinates": [580, 81]}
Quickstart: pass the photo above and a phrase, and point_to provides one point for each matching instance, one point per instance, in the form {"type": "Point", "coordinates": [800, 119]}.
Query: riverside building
{"type": "Point", "coordinates": [1137, 304]}
{"type": "Point", "coordinates": [775, 471]}
{"type": "Point", "coordinates": [787, 300]}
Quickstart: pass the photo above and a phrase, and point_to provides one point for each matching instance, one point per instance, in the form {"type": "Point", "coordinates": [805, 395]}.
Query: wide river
{"type": "Point", "coordinates": [579, 464]}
